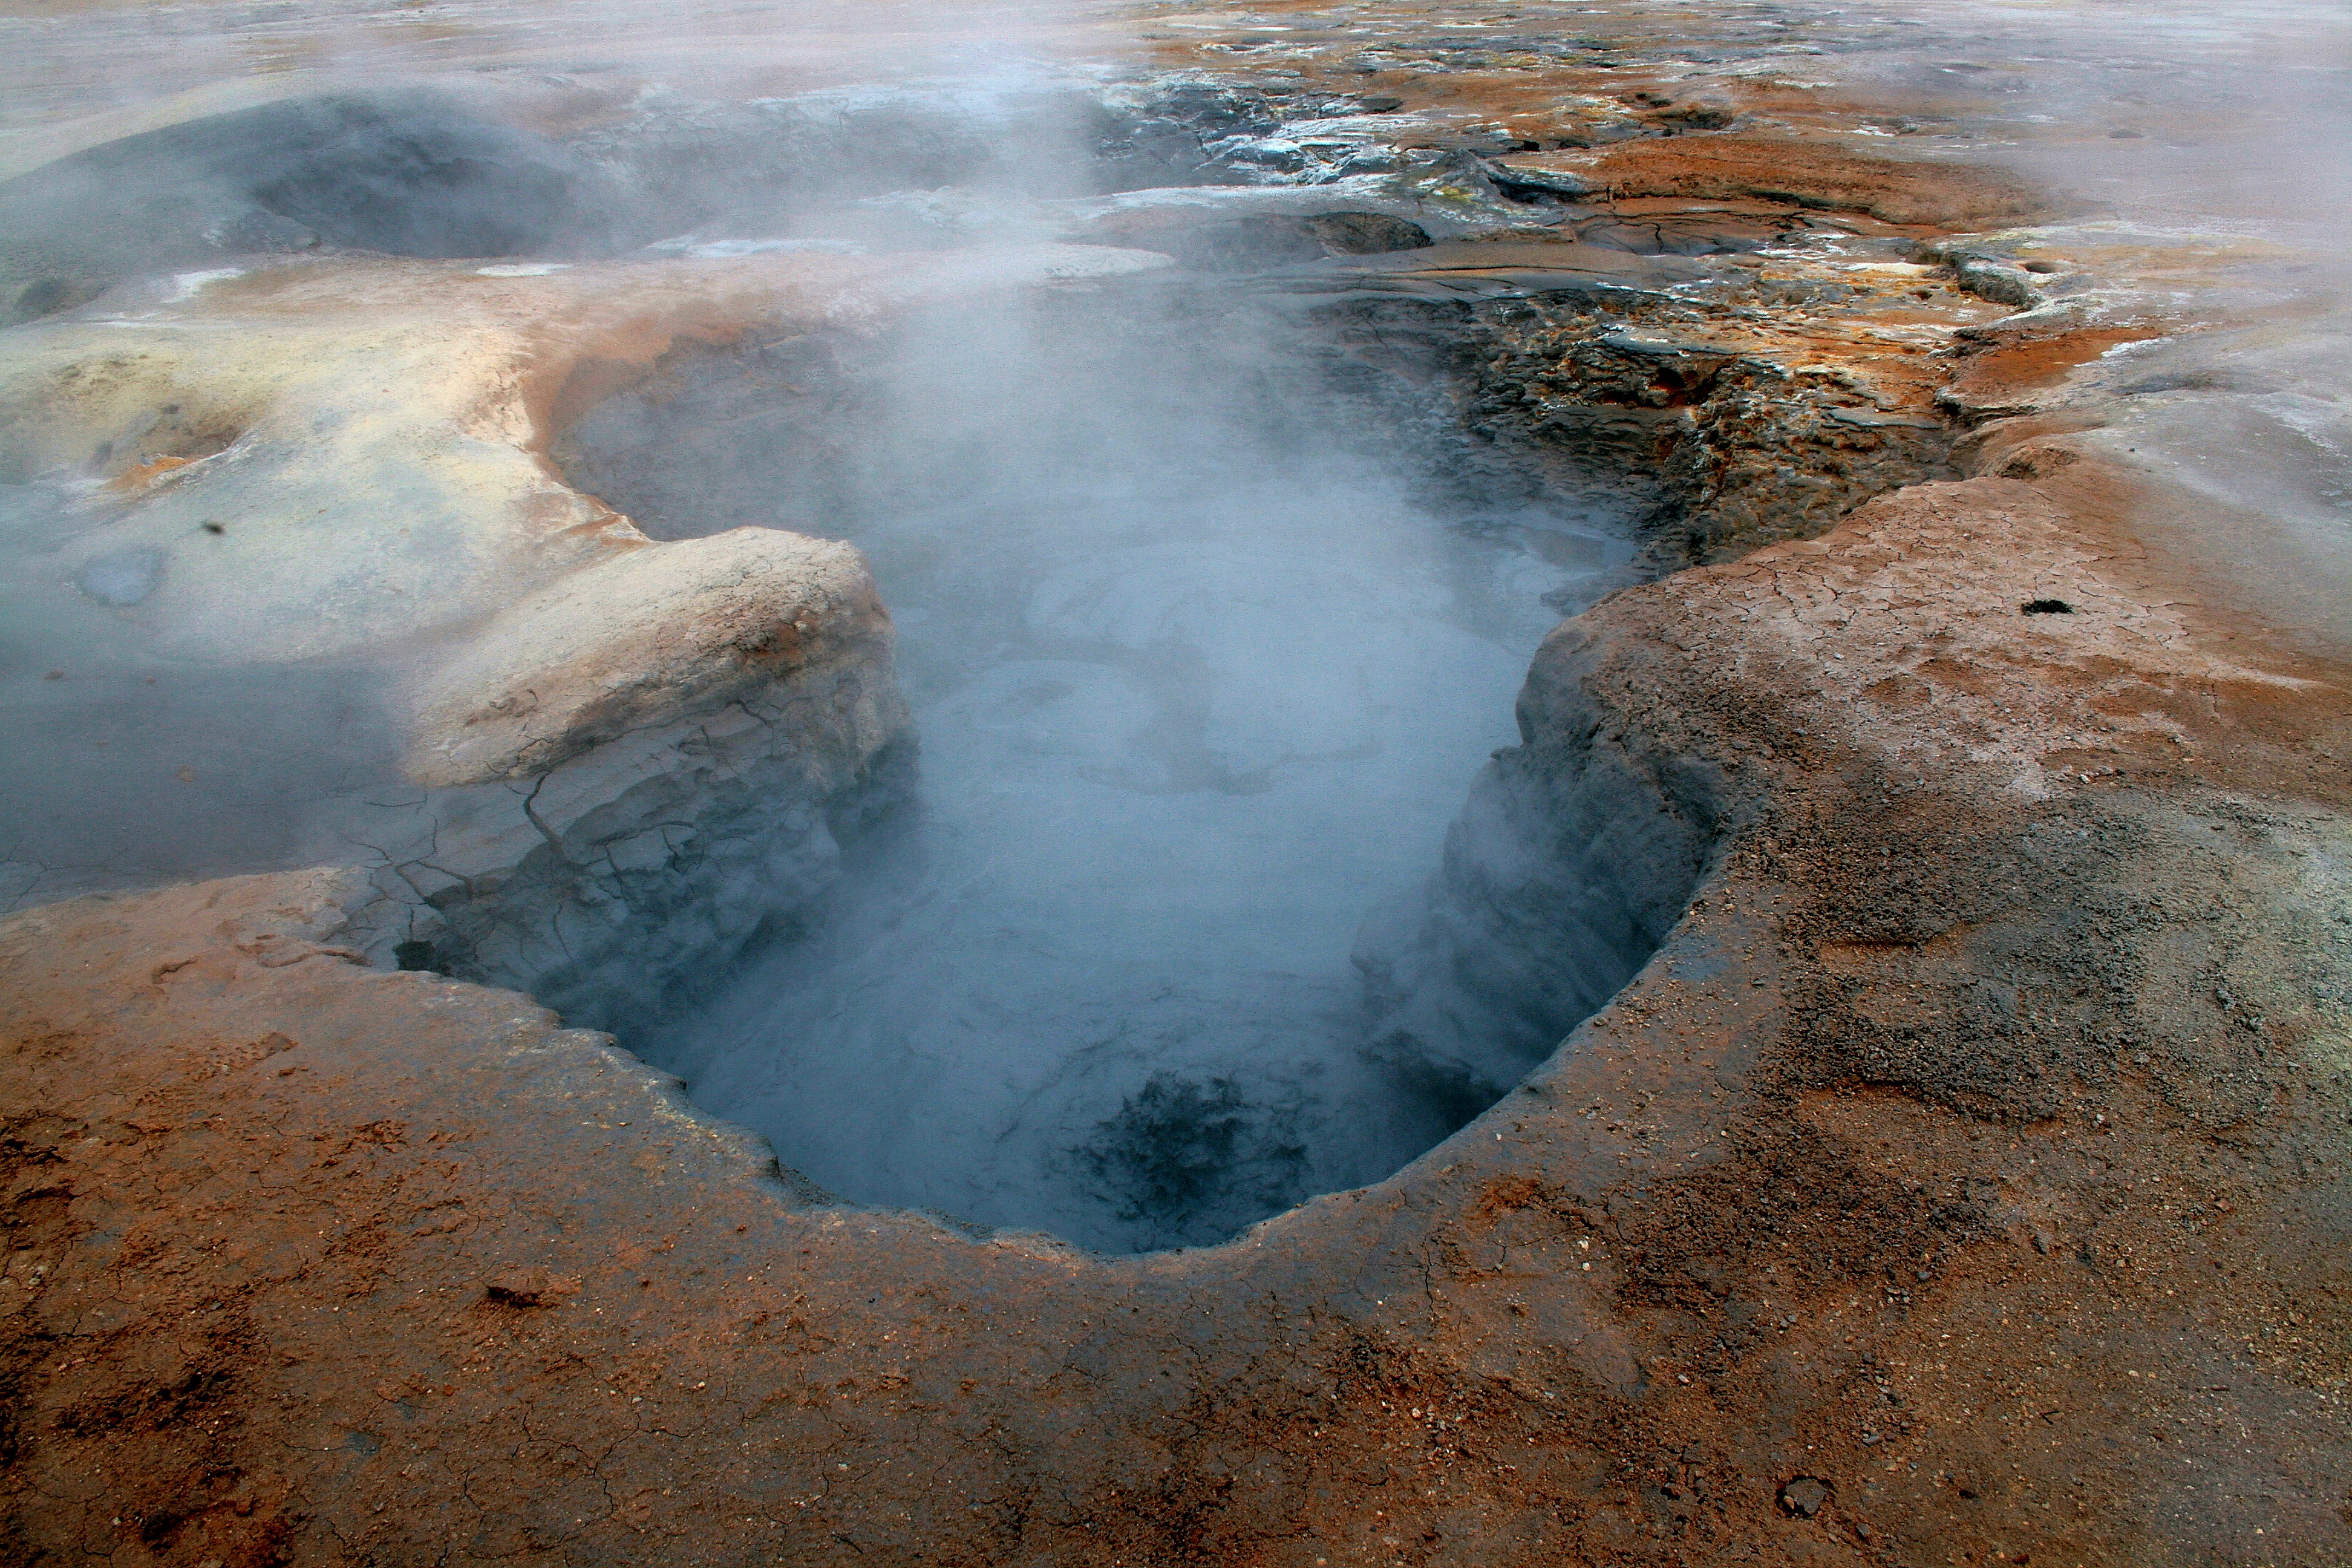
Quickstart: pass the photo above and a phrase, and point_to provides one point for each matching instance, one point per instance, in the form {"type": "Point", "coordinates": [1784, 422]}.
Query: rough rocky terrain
{"type": "Point", "coordinates": [1961, 1180]}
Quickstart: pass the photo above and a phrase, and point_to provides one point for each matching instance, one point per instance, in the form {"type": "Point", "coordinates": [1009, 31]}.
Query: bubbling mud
{"type": "Point", "coordinates": [1207, 631]}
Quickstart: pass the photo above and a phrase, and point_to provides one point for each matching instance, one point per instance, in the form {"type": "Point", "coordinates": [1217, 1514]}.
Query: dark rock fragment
{"type": "Point", "coordinates": [407, 172]}
{"type": "Point", "coordinates": [1367, 234]}
{"type": "Point", "coordinates": [1805, 1495]}
{"type": "Point", "coordinates": [527, 1288]}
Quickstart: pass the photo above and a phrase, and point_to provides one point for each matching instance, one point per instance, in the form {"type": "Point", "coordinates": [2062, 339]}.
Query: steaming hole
{"type": "Point", "coordinates": [1207, 642]}
{"type": "Point", "coordinates": [407, 172]}
{"type": "Point", "coordinates": [421, 172]}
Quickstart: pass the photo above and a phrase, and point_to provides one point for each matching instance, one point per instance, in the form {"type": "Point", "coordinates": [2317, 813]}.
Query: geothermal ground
{"type": "Point", "coordinates": [765, 808]}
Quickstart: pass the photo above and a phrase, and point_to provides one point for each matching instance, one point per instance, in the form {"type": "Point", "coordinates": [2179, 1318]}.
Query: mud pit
{"type": "Point", "coordinates": [1203, 650]}
{"type": "Point", "coordinates": [1961, 1179]}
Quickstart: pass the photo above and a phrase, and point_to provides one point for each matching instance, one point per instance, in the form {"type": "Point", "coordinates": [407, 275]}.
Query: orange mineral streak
{"type": "Point", "coordinates": [134, 479]}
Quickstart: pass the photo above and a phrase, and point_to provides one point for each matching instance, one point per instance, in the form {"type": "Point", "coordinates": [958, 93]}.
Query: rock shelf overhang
{"type": "Point", "coordinates": [1964, 1176]}
{"type": "Point", "coordinates": [343, 464]}
{"type": "Point", "coordinates": [409, 403]}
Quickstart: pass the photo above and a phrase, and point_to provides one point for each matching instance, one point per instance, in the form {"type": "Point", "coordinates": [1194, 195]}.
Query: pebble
{"type": "Point", "coordinates": [1804, 1496]}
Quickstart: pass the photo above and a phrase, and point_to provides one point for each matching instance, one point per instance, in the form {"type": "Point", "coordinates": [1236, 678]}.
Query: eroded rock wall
{"type": "Point", "coordinates": [1575, 855]}
{"type": "Point", "coordinates": [1746, 447]}
{"type": "Point", "coordinates": [598, 885]}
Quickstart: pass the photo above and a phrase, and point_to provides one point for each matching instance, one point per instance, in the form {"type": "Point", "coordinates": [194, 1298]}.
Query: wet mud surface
{"type": "Point", "coordinates": [1961, 1180]}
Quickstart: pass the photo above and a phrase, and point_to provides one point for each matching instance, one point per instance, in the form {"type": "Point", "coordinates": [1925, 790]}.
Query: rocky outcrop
{"type": "Point", "coordinates": [600, 879]}
{"type": "Point", "coordinates": [1748, 401]}
{"type": "Point", "coordinates": [409, 173]}
{"type": "Point", "coordinates": [1744, 442]}
{"type": "Point", "coordinates": [591, 746]}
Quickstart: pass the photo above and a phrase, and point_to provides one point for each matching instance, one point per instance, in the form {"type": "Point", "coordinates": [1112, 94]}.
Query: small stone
{"type": "Point", "coordinates": [527, 1287]}
{"type": "Point", "coordinates": [1805, 1495]}
{"type": "Point", "coordinates": [124, 578]}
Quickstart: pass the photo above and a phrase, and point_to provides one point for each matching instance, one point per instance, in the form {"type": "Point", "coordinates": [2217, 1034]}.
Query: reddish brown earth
{"type": "Point", "coordinates": [1964, 1181]}
{"type": "Point", "coordinates": [1976, 1155]}
{"type": "Point", "coordinates": [1733, 167]}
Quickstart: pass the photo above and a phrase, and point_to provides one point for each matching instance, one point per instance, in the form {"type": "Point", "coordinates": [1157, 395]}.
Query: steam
{"type": "Point", "coordinates": [1207, 626]}
{"type": "Point", "coordinates": [1203, 662]}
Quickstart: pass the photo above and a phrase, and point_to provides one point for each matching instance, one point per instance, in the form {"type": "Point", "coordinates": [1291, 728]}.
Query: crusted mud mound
{"type": "Point", "coordinates": [549, 738]}
{"type": "Point", "coordinates": [1953, 1170]}
{"type": "Point", "coordinates": [415, 176]}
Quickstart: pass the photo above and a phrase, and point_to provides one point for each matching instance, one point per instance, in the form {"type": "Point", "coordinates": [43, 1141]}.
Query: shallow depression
{"type": "Point", "coordinates": [1207, 631]}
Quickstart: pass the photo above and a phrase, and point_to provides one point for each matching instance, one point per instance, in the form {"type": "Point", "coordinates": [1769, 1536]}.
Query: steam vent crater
{"type": "Point", "coordinates": [1158, 908]}
{"type": "Point", "coordinates": [1207, 627]}
{"type": "Point", "coordinates": [1327, 788]}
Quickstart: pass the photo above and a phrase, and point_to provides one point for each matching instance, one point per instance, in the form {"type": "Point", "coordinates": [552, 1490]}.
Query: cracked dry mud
{"type": "Point", "coordinates": [1961, 1180]}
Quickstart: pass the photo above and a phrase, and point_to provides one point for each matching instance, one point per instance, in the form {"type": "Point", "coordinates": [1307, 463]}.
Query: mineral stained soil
{"type": "Point", "coordinates": [1961, 1180]}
